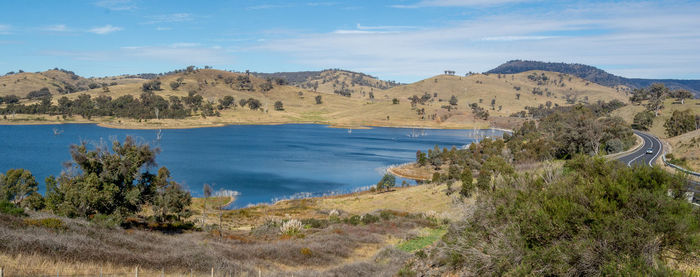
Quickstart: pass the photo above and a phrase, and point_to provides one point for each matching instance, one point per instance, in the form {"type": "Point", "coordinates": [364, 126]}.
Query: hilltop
{"type": "Point", "coordinates": [593, 74]}
{"type": "Point", "coordinates": [343, 82]}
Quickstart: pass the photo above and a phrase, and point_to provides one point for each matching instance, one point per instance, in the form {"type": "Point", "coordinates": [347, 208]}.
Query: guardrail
{"type": "Point", "coordinates": [663, 158]}
{"type": "Point", "coordinates": [693, 187]}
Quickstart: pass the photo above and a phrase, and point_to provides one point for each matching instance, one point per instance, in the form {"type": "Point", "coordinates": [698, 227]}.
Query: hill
{"type": "Point", "coordinates": [337, 81]}
{"type": "Point", "coordinates": [501, 94]}
{"type": "Point", "coordinates": [363, 100]}
{"type": "Point", "coordinates": [593, 74]}
{"type": "Point", "coordinates": [57, 81]}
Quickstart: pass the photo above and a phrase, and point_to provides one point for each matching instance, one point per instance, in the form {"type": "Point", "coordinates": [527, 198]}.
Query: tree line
{"type": "Point", "coordinates": [147, 106]}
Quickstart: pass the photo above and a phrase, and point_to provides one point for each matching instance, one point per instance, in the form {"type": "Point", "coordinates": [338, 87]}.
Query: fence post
{"type": "Point", "coordinates": [137, 271]}
{"type": "Point", "coordinates": [162, 272]}
{"type": "Point", "coordinates": [212, 272]}
{"type": "Point", "coordinates": [2, 272]}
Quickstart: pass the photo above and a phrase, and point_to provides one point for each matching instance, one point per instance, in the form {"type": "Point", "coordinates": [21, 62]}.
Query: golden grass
{"type": "Point", "coordinates": [670, 105]}
{"type": "Point", "coordinates": [37, 265]}
{"type": "Point", "coordinates": [415, 199]}
{"type": "Point", "coordinates": [687, 146]}
{"type": "Point", "coordinates": [354, 111]}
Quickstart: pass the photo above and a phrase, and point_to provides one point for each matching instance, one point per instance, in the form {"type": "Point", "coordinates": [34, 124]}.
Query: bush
{"type": "Point", "coordinates": [151, 85]}
{"type": "Point", "coordinates": [681, 122]}
{"type": "Point", "coordinates": [291, 227]}
{"type": "Point", "coordinates": [11, 209]}
{"type": "Point", "coordinates": [593, 218]}
{"type": "Point", "coordinates": [49, 223]}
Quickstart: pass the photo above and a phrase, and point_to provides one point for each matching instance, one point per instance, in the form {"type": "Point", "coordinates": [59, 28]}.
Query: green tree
{"type": "Point", "coordinates": [453, 100]}
{"type": "Point", "coordinates": [16, 185]}
{"type": "Point", "coordinates": [112, 183]}
{"type": "Point", "coordinates": [643, 120]}
{"type": "Point", "coordinates": [387, 182]}
{"type": "Point", "coordinates": [279, 106]}
{"type": "Point", "coordinates": [680, 122]}
{"type": "Point", "coordinates": [170, 201]}
{"type": "Point", "coordinates": [151, 85]}
{"type": "Point", "coordinates": [227, 101]}
{"type": "Point", "coordinates": [421, 158]}
{"type": "Point", "coordinates": [657, 93]}
{"type": "Point", "coordinates": [467, 183]}
{"type": "Point", "coordinates": [318, 100]}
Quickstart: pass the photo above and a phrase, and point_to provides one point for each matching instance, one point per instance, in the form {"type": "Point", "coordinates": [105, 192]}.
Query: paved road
{"type": "Point", "coordinates": [641, 157]}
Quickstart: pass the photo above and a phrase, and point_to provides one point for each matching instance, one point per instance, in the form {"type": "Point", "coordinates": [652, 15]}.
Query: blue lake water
{"type": "Point", "coordinates": [261, 162]}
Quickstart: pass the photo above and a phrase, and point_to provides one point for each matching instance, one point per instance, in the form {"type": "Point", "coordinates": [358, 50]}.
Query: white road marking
{"type": "Point", "coordinates": [661, 147]}
{"type": "Point", "coordinates": [644, 153]}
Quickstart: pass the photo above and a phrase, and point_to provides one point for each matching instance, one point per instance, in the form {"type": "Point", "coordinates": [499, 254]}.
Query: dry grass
{"type": "Point", "coordinates": [687, 146]}
{"type": "Point", "coordinates": [333, 248]}
{"type": "Point", "coordinates": [416, 199]}
{"type": "Point", "coordinates": [354, 111]}
{"type": "Point", "coordinates": [85, 247]}
{"type": "Point", "coordinates": [670, 105]}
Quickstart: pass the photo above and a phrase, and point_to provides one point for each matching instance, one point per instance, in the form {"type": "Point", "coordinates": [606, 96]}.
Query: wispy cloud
{"type": "Point", "coordinates": [170, 18]}
{"type": "Point", "coordinates": [179, 53]}
{"type": "Point", "coordinates": [457, 3]}
{"type": "Point", "coordinates": [266, 6]}
{"type": "Point", "coordinates": [105, 29]}
{"type": "Point", "coordinates": [56, 28]}
{"type": "Point", "coordinates": [640, 39]}
{"type": "Point", "coordinates": [116, 5]}
{"type": "Point", "coordinates": [5, 29]}
{"type": "Point", "coordinates": [362, 29]}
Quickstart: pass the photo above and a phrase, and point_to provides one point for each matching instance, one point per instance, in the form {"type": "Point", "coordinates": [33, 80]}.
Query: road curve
{"type": "Point", "coordinates": [641, 157]}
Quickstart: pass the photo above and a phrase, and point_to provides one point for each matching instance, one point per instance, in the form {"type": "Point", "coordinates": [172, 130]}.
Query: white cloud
{"type": "Point", "coordinates": [5, 29]}
{"type": "Point", "coordinates": [105, 29]}
{"type": "Point", "coordinates": [56, 28]}
{"type": "Point", "coordinates": [646, 40]}
{"type": "Point", "coordinates": [266, 6]}
{"type": "Point", "coordinates": [116, 5]}
{"type": "Point", "coordinates": [169, 18]}
{"type": "Point", "coordinates": [179, 53]}
{"type": "Point", "coordinates": [457, 3]}
{"type": "Point", "coordinates": [163, 28]}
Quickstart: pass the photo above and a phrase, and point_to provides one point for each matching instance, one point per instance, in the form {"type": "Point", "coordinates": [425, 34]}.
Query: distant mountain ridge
{"type": "Point", "coordinates": [593, 74]}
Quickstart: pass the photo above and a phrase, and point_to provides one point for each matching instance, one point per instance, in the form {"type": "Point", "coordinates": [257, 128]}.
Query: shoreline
{"type": "Point", "coordinates": [142, 126]}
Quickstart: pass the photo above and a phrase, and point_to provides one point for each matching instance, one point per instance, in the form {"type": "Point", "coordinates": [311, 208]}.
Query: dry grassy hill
{"type": "Point", "coordinates": [356, 84]}
{"type": "Point", "coordinates": [55, 80]}
{"type": "Point", "coordinates": [358, 109]}
{"type": "Point", "coordinates": [504, 88]}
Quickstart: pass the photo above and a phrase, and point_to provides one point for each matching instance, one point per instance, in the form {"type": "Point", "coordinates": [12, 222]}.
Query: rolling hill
{"type": "Point", "coordinates": [337, 81]}
{"type": "Point", "coordinates": [366, 101]}
{"type": "Point", "coordinates": [593, 74]}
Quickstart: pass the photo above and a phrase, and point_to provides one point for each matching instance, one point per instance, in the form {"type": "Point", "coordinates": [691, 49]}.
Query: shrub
{"type": "Point", "coordinates": [291, 227]}
{"type": "Point", "coordinates": [49, 223]}
{"type": "Point", "coordinates": [315, 223]}
{"type": "Point", "coordinates": [369, 219]}
{"type": "Point", "coordinates": [353, 220]}
{"type": "Point", "coordinates": [11, 209]}
{"type": "Point", "coordinates": [597, 217]}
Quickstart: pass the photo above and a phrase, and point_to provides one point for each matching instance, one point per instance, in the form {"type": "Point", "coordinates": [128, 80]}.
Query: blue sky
{"type": "Point", "coordinates": [399, 40]}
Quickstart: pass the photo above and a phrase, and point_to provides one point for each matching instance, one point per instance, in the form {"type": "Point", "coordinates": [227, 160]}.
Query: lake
{"type": "Point", "coordinates": [262, 163]}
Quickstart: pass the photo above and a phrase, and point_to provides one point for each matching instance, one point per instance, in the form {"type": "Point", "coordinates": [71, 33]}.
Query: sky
{"type": "Point", "coordinates": [405, 40]}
